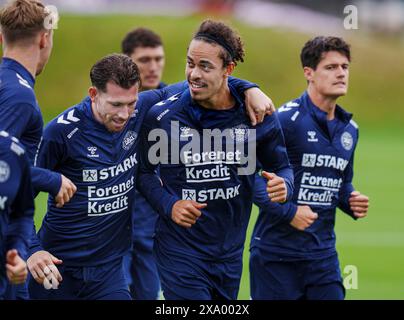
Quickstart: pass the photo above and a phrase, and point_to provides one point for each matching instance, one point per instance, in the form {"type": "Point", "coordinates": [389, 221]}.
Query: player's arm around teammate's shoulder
{"type": "Point", "coordinates": [258, 105]}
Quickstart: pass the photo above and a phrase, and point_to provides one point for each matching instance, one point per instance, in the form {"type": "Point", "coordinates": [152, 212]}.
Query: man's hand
{"type": "Point", "coordinates": [186, 212]}
{"type": "Point", "coordinates": [276, 187]}
{"type": "Point", "coordinates": [303, 218]}
{"type": "Point", "coordinates": [16, 267]}
{"type": "Point", "coordinates": [359, 204]}
{"type": "Point", "coordinates": [66, 192]}
{"type": "Point", "coordinates": [258, 105]}
{"type": "Point", "coordinates": [42, 266]}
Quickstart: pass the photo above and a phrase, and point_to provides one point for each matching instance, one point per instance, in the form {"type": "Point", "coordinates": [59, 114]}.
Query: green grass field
{"type": "Point", "coordinates": [375, 245]}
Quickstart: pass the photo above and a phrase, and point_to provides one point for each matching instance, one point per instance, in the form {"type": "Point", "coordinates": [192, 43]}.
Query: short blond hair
{"type": "Point", "coordinates": [22, 20]}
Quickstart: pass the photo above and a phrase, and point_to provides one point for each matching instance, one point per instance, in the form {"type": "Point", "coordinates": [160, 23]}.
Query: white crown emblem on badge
{"type": "Point", "coordinates": [347, 140]}
{"type": "Point", "coordinates": [240, 133]}
{"type": "Point", "coordinates": [4, 171]}
{"type": "Point", "coordinates": [129, 140]}
{"type": "Point", "coordinates": [185, 132]}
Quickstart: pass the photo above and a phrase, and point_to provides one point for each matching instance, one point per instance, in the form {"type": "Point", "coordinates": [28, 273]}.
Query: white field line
{"type": "Point", "coordinates": [371, 239]}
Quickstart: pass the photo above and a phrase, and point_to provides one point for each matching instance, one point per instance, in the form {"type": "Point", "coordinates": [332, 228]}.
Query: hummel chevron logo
{"type": "Point", "coordinates": [288, 106]}
{"type": "Point", "coordinates": [172, 98]}
{"type": "Point", "coordinates": [69, 119]}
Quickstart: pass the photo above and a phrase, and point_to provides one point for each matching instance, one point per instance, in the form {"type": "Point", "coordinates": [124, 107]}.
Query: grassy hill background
{"type": "Point", "coordinates": [375, 245]}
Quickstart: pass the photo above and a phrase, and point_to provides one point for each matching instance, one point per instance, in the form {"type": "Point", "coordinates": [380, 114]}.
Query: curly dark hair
{"type": "Point", "coordinates": [117, 68]}
{"type": "Point", "coordinates": [219, 33]}
{"type": "Point", "coordinates": [313, 50]}
{"type": "Point", "coordinates": [140, 37]}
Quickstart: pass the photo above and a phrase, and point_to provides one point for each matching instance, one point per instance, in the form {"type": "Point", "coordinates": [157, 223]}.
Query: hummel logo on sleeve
{"type": "Point", "coordinates": [69, 119]}
{"type": "Point", "coordinates": [288, 106]}
{"type": "Point", "coordinates": [172, 98]}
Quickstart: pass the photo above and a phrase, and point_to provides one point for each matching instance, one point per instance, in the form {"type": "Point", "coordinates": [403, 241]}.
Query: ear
{"type": "Point", "coordinates": [308, 73]}
{"type": "Point", "coordinates": [230, 68]}
{"type": "Point", "coordinates": [92, 92]}
{"type": "Point", "coordinates": [44, 39]}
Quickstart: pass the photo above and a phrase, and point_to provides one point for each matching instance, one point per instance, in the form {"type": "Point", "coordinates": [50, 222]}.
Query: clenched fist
{"type": "Point", "coordinates": [66, 192]}
{"type": "Point", "coordinates": [359, 204]}
{"type": "Point", "coordinates": [186, 212]}
{"type": "Point", "coordinates": [276, 187]}
{"type": "Point", "coordinates": [16, 267]}
{"type": "Point", "coordinates": [303, 218]}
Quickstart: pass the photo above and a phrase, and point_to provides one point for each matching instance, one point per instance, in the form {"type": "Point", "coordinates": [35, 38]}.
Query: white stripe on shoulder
{"type": "Point", "coordinates": [23, 82]}
{"type": "Point", "coordinates": [292, 104]}
{"type": "Point", "coordinates": [354, 124]}
{"type": "Point", "coordinates": [16, 148]}
{"type": "Point", "coordinates": [293, 118]}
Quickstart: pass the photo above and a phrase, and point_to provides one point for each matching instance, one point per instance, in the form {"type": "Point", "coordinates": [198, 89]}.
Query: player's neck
{"type": "Point", "coordinates": [222, 100]}
{"type": "Point", "coordinates": [28, 58]}
{"type": "Point", "coordinates": [96, 114]}
{"type": "Point", "coordinates": [324, 103]}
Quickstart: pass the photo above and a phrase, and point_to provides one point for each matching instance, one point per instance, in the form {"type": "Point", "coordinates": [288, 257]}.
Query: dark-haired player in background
{"type": "Point", "coordinates": [293, 254]}
{"type": "Point", "coordinates": [146, 49]}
